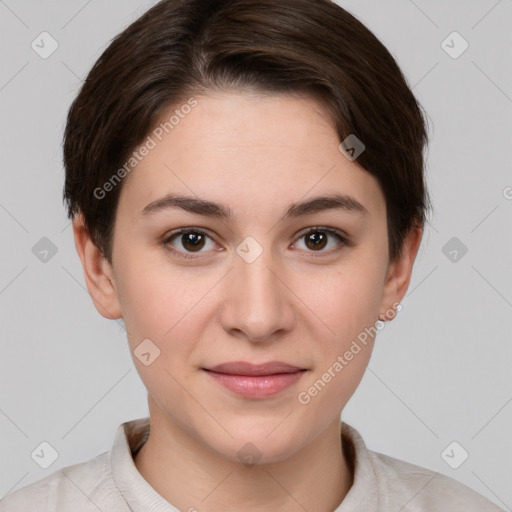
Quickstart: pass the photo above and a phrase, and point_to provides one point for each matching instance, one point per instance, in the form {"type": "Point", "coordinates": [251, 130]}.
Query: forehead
{"type": "Point", "coordinates": [248, 151]}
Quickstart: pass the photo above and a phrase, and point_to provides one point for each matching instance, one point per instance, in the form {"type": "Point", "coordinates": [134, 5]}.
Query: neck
{"type": "Point", "coordinates": [192, 476]}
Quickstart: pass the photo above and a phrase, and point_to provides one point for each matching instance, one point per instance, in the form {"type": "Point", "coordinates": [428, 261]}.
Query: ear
{"type": "Point", "coordinates": [97, 272]}
{"type": "Point", "coordinates": [399, 274]}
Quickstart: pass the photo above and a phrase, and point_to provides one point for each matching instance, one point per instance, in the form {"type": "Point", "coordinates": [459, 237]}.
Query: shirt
{"type": "Point", "coordinates": [111, 482]}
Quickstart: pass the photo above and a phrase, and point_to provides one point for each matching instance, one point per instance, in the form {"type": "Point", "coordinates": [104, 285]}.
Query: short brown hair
{"type": "Point", "coordinates": [183, 47]}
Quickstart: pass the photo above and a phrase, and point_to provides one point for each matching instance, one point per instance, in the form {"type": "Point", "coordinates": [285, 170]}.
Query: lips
{"type": "Point", "coordinates": [249, 369]}
{"type": "Point", "coordinates": [255, 381]}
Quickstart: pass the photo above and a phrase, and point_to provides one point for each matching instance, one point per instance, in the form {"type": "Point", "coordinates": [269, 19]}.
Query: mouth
{"type": "Point", "coordinates": [249, 369]}
{"type": "Point", "coordinates": [255, 380]}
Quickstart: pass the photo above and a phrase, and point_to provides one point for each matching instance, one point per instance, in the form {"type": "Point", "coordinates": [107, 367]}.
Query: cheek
{"type": "Point", "coordinates": [160, 307]}
{"type": "Point", "coordinates": [348, 304]}
{"type": "Point", "coordinates": [146, 293]}
{"type": "Point", "coordinates": [163, 303]}
{"type": "Point", "coordinates": [347, 300]}
{"type": "Point", "coordinates": [147, 309]}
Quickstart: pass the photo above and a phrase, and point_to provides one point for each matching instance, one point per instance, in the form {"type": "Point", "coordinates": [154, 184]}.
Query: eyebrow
{"type": "Point", "coordinates": [210, 209]}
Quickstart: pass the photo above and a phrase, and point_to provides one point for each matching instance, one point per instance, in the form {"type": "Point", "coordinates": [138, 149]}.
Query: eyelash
{"type": "Point", "coordinates": [332, 232]}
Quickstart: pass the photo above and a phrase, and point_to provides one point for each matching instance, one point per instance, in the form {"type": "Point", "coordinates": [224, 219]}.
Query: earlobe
{"type": "Point", "coordinates": [97, 272]}
{"type": "Point", "coordinates": [399, 274]}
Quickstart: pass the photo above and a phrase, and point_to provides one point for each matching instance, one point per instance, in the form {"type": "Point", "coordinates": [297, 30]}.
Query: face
{"type": "Point", "coordinates": [264, 282]}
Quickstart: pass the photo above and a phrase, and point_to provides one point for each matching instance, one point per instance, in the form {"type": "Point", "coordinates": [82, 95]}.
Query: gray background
{"type": "Point", "coordinates": [440, 371]}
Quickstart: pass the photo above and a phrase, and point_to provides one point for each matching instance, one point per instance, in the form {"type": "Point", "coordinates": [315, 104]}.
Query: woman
{"type": "Point", "coordinates": [246, 183]}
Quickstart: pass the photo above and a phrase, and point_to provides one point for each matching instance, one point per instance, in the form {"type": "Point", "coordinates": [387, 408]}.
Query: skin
{"type": "Point", "coordinates": [257, 155]}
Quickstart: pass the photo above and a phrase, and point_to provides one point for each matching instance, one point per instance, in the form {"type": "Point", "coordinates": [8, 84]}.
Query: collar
{"type": "Point", "coordinates": [141, 497]}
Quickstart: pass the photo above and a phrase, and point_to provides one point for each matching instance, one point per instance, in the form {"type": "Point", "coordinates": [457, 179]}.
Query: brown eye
{"type": "Point", "coordinates": [317, 239]}
{"type": "Point", "coordinates": [190, 240]}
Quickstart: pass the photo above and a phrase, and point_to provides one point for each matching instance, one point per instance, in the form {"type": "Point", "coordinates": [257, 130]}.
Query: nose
{"type": "Point", "coordinates": [258, 302]}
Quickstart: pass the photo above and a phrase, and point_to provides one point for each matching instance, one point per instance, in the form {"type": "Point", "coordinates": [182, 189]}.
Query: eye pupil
{"type": "Point", "coordinates": [193, 239]}
{"type": "Point", "coordinates": [319, 239]}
